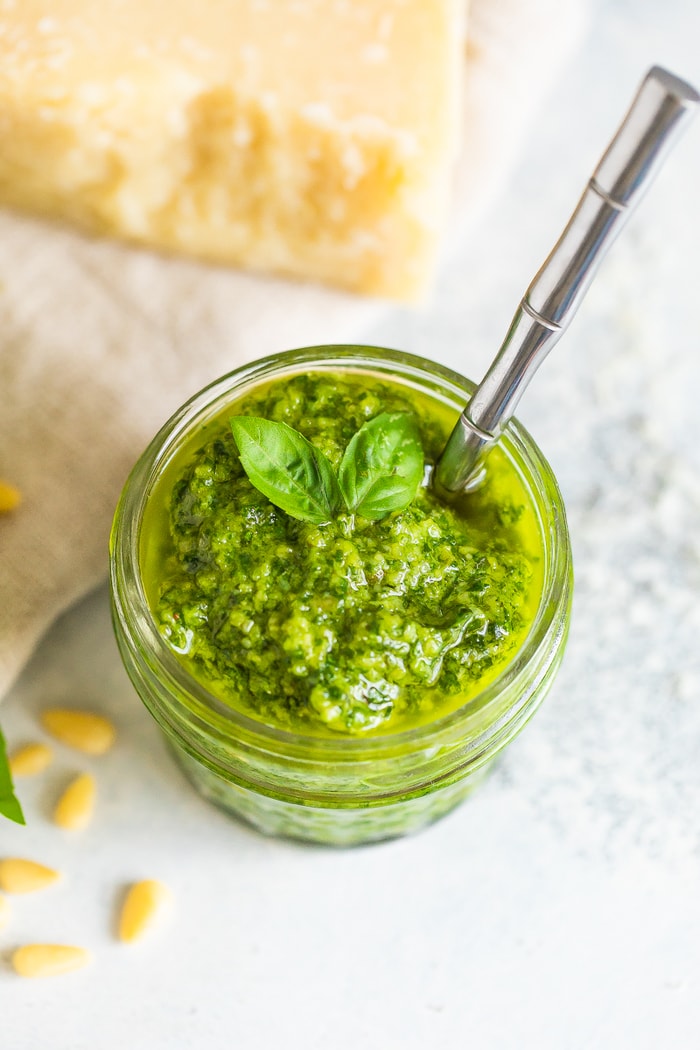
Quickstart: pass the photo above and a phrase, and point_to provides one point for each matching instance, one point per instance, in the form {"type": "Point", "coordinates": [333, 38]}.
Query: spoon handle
{"type": "Point", "coordinates": [659, 110]}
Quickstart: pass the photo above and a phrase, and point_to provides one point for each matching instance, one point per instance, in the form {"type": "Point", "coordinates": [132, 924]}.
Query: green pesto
{"type": "Point", "coordinates": [351, 627]}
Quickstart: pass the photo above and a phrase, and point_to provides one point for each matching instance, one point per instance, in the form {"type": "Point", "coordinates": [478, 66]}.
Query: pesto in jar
{"type": "Point", "coordinates": [351, 627]}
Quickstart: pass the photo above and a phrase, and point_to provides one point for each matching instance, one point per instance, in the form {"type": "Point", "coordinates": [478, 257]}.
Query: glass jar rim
{"type": "Point", "coordinates": [125, 546]}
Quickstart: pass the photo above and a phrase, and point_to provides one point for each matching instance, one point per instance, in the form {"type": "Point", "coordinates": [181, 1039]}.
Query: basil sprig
{"type": "Point", "coordinates": [287, 468]}
{"type": "Point", "coordinates": [9, 805]}
{"type": "Point", "coordinates": [380, 471]}
{"type": "Point", "coordinates": [382, 466]}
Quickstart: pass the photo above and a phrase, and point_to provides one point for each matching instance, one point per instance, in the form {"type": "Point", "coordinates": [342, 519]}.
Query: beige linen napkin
{"type": "Point", "coordinates": [99, 343]}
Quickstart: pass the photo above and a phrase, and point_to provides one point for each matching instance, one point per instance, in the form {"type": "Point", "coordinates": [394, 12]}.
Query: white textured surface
{"type": "Point", "coordinates": [560, 907]}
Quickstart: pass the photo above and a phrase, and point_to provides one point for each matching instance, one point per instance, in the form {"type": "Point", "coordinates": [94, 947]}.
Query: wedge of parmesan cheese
{"type": "Point", "coordinates": [312, 138]}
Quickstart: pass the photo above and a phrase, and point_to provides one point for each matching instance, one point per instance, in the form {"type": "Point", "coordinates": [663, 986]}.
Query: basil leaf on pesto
{"type": "Point", "coordinates": [283, 465]}
{"type": "Point", "coordinates": [9, 806]}
{"type": "Point", "coordinates": [382, 466]}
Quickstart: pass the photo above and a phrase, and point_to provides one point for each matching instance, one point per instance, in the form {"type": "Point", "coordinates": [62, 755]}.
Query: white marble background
{"type": "Point", "coordinates": [559, 909]}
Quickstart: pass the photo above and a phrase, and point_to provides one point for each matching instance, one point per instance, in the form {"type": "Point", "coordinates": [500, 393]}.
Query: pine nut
{"type": "Point", "coordinates": [85, 731]}
{"type": "Point", "coordinates": [48, 960]}
{"type": "Point", "coordinates": [25, 876]}
{"type": "Point", "coordinates": [143, 904]}
{"type": "Point", "coordinates": [10, 497]}
{"type": "Point", "coordinates": [75, 806]}
{"type": "Point", "coordinates": [4, 911]}
{"type": "Point", "coordinates": [29, 760]}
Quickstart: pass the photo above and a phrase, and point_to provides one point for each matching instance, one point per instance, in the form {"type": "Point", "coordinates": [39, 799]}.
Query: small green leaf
{"type": "Point", "coordinates": [286, 468]}
{"type": "Point", "coordinates": [9, 805]}
{"type": "Point", "coordinates": [382, 466]}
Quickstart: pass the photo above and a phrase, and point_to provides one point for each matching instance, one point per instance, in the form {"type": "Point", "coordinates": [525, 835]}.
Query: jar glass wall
{"type": "Point", "coordinates": [335, 789]}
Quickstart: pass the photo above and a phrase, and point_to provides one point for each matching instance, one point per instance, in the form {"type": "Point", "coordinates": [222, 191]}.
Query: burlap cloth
{"type": "Point", "coordinates": [99, 343]}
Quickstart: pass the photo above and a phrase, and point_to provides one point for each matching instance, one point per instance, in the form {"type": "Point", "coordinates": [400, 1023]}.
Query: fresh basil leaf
{"type": "Point", "coordinates": [286, 468]}
{"type": "Point", "coordinates": [9, 806]}
{"type": "Point", "coordinates": [382, 466]}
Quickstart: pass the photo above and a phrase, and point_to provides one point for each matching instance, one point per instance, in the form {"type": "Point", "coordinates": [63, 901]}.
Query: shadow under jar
{"type": "Point", "coordinates": [350, 775]}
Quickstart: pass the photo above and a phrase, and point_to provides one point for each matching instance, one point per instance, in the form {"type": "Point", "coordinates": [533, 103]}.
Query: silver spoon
{"type": "Point", "coordinates": [660, 108]}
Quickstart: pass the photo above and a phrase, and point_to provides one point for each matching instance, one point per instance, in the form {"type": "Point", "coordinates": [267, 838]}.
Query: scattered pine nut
{"type": "Point", "coordinates": [29, 760]}
{"type": "Point", "coordinates": [85, 731]}
{"type": "Point", "coordinates": [75, 806]}
{"type": "Point", "coordinates": [4, 911]}
{"type": "Point", "coordinates": [25, 876]}
{"type": "Point", "coordinates": [10, 497]}
{"type": "Point", "coordinates": [48, 960]}
{"type": "Point", "coordinates": [143, 904]}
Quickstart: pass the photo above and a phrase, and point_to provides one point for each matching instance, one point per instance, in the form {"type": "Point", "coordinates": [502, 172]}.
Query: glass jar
{"type": "Point", "coordinates": [335, 790]}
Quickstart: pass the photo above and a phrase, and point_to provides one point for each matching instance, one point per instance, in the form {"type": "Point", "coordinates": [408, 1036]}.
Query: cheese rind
{"type": "Point", "coordinates": [314, 138]}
